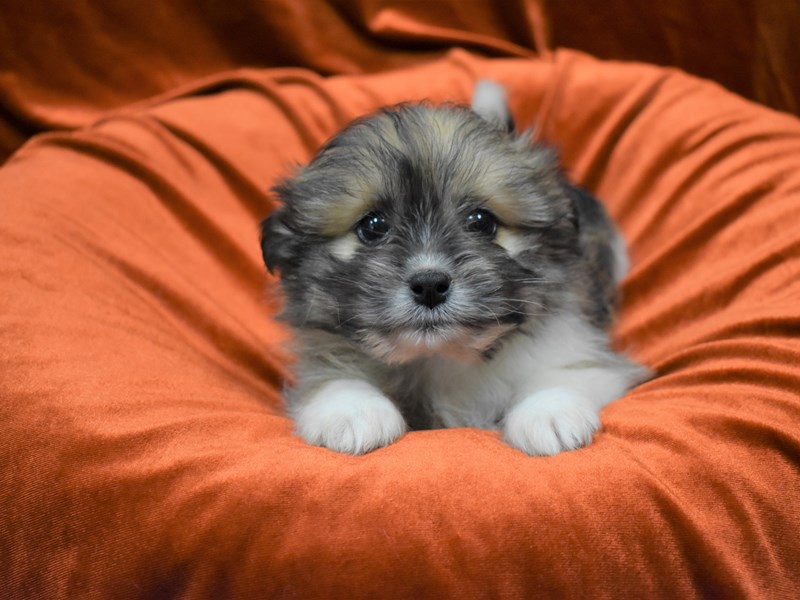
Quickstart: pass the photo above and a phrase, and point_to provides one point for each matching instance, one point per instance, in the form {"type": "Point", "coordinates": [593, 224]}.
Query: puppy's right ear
{"type": "Point", "coordinates": [276, 241]}
{"type": "Point", "coordinates": [490, 102]}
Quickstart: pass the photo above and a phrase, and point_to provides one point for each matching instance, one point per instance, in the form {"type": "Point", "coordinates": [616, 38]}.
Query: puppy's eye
{"type": "Point", "coordinates": [372, 228]}
{"type": "Point", "coordinates": [481, 221]}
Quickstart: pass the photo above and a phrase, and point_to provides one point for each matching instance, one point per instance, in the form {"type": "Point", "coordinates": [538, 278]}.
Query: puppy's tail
{"type": "Point", "coordinates": [490, 102]}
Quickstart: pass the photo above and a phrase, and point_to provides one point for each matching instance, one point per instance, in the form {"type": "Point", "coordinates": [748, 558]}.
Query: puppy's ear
{"type": "Point", "coordinates": [489, 101]}
{"type": "Point", "coordinates": [276, 242]}
{"type": "Point", "coordinates": [580, 201]}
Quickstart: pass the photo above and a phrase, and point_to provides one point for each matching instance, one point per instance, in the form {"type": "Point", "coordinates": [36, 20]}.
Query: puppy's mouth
{"type": "Point", "coordinates": [459, 340]}
{"type": "Point", "coordinates": [458, 343]}
{"type": "Point", "coordinates": [445, 323]}
{"type": "Point", "coordinates": [460, 329]}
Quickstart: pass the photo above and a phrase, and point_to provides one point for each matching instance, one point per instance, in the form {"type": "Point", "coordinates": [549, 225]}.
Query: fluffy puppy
{"type": "Point", "coordinates": [440, 271]}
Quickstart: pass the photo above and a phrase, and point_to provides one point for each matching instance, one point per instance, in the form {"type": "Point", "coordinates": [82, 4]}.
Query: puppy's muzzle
{"type": "Point", "coordinates": [430, 288]}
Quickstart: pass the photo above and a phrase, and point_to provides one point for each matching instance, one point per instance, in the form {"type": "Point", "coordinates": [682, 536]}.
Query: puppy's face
{"type": "Point", "coordinates": [422, 230]}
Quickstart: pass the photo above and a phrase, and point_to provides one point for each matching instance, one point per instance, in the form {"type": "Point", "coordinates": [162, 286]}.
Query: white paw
{"type": "Point", "coordinates": [349, 415]}
{"type": "Point", "coordinates": [550, 421]}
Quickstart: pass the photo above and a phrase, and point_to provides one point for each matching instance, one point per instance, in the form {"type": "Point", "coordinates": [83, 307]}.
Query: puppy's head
{"type": "Point", "coordinates": [423, 230]}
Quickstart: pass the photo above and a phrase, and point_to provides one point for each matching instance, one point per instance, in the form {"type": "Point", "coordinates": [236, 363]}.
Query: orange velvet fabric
{"type": "Point", "coordinates": [749, 46]}
{"type": "Point", "coordinates": [62, 64]}
{"type": "Point", "coordinates": [144, 452]}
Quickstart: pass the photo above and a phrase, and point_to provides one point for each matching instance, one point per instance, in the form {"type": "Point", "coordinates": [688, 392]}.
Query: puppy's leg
{"type": "Point", "coordinates": [348, 415]}
{"type": "Point", "coordinates": [569, 376]}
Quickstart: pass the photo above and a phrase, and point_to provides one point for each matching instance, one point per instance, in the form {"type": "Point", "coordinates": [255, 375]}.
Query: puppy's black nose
{"type": "Point", "coordinates": [430, 287]}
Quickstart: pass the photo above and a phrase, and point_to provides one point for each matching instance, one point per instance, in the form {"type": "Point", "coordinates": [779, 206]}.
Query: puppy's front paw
{"type": "Point", "coordinates": [551, 421]}
{"type": "Point", "coordinates": [351, 416]}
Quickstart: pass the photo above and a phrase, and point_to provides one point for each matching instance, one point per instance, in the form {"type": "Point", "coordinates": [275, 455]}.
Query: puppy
{"type": "Point", "coordinates": [440, 271]}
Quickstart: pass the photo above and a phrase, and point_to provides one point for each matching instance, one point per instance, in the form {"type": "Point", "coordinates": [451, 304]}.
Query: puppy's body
{"type": "Point", "coordinates": [441, 272]}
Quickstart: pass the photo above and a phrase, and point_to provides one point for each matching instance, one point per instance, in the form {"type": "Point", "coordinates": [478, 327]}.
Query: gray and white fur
{"type": "Point", "coordinates": [439, 270]}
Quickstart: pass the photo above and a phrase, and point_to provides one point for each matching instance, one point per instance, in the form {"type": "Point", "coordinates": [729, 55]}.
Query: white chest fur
{"type": "Point", "coordinates": [544, 391]}
{"type": "Point", "coordinates": [565, 353]}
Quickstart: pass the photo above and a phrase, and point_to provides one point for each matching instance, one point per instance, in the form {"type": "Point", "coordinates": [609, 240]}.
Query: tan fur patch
{"type": "Point", "coordinates": [508, 207]}
{"type": "Point", "coordinates": [388, 134]}
{"type": "Point", "coordinates": [345, 211]}
{"type": "Point", "coordinates": [344, 247]}
{"type": "Point", "coordinates": [511, 241]}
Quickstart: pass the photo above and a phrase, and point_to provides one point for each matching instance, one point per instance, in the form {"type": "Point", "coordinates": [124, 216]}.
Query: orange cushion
{"type": "Point", "coordinates": [61, 66]}
{"type": "Point", "coordinates": [144, 452]}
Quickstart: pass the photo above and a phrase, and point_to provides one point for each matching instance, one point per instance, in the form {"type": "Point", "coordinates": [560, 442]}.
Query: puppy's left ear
{"type": "Point", "coordinates": [276, 242]}
{"type": "Point", "coordinates": [489, 101]}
